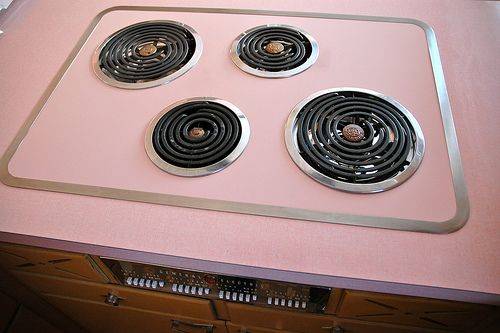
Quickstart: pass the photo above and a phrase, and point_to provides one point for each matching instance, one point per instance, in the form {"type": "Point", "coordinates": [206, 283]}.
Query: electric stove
{"type": "Point", "coordinates": [307, 116]}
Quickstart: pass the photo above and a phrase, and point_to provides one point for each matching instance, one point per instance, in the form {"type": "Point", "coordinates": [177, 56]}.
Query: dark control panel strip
{"type": "Point", "coordinates": [267, 293]}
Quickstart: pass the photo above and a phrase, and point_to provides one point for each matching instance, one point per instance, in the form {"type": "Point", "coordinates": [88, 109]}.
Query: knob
{"type": "Point", "coordinates": [112, 299]}
{"type": "Point", "coordinates": [333, 329]}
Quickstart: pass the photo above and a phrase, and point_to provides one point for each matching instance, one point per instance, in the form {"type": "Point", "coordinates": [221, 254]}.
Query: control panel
{"type": "Point", "coordinates": [267, 293]}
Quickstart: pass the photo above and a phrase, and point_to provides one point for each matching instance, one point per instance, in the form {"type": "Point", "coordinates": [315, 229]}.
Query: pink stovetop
{"type": "Point", "coordinates": [466, 260]}
{"type": "Point", "coordinates": [90, 133]}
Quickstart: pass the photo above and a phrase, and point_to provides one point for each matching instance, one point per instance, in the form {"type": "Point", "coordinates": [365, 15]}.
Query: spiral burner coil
{"type": "Point", "coordinates": [147, 54]}
{"type": "Point", "coordinates": [355, 140]}
{"type": "Point", "coordinates": [274, 51]}
{"type": "Point", "coordinates": [196, 137]}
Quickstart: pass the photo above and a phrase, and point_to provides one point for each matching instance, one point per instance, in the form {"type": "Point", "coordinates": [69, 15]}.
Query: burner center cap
{"type": "Point", "coordinates": [196, 132]}
{"type": "Point", "coordinates": [274, 47]}
{"type": "Point", "coordinates": [353, 133]}
{"type": "Point", "coordinates": [147, 50]}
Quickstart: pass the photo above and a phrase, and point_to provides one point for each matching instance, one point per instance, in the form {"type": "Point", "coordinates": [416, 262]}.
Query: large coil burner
{"type": "Point", "coordinates": [354, 140]}
{"type": "Point", "coordinates": [274, 51]}
{"type": "Point", "coordinates": [147, 54]}
{"type": "Point", "coordinates": [197, 136]}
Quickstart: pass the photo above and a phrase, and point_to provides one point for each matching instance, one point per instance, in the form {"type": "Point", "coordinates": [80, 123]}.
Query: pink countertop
{"type": "Point", "coordinates": [463, 265]}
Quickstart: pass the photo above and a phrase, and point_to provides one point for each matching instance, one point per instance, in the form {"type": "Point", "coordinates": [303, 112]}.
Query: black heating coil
{"type": "Point", "coordinates": [385, 150]}
{"type": "Point", "coordinates": [297, 49]}
{"type": "Point", "coordinates": [121, 59]}
{"type": "Point", "coordinates": [219, 132]}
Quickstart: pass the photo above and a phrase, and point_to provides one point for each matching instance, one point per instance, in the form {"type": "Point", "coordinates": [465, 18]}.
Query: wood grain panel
{"type": "Point", "coordinates": [8, 307]}
{"type": "Point", "coordinates": [98, 317]}
{"type": "Point", "coordinates": [130, 297]}
{"type": "Point", "coordinates": [46, 261]}
{"type": "Point", "coordinates": [414, 311]}
{"type": "Point", "coordinates": [27, 321]}
{"type": "Point", "coordinates": [252, 316]}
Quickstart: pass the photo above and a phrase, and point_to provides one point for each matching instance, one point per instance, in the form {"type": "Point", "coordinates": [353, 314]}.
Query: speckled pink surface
{"type": "Point", "coordinates": [90, 133]}
{"type": "Point", "coordinates": [465, 260]}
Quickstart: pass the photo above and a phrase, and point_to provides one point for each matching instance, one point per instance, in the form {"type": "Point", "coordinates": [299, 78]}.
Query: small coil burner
{"type": "Point", "coordinates": [274, 51]}
{"type": "Point", "coordinates": [197, 136]}
{"type": "Point", "coordinates": [354, 140]}
{"type": "Point", "coordinates": [147, 54]}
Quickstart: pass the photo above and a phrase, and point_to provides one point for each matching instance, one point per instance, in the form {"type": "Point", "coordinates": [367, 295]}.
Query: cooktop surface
{"type": "Point", "coordinates": [320, 117]}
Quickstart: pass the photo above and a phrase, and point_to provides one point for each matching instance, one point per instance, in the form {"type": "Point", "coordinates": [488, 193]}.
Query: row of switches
{"type": "Point", "coordinates": [237, 296]}
{"type": "Point", "coordinates": [141, 282]}
{"type": "Point", "coordinates": [193, 290]}
{"type": "Point", "coordinates": [283, 302]}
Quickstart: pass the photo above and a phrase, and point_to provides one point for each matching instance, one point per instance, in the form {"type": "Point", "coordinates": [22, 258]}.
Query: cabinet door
{"type": "Point", "coordinates": [127, 296]}
{"type": "Point", "coordinates": [8, 307]}
{"type": "Point", "coordinates": [45, 261]}
{"type": "Point", "coordinates": [231, 328]}
{"type": "Point", "coordinates": [342, 326]}
{"type": "Point", "coordinates": [358, 326]}
{"type": "Point", "coordinates": [27, 321]}
{"type": "Point", "coordinates": [252, 316]}
{"type": "Point", "coordinates": [99, 317]}
{"type": "Point", "coordinates": [413, 311]}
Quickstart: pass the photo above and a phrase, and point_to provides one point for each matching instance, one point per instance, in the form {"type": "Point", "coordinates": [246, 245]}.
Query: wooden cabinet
{"type": "Point", "coordinates": [27, 321]}
{"type": "Point", "coordinates": [99, 317]}
{"type": "Point", "coordinates": [8, 307]}
{"type": "Point", "coordinates": [126, 296]}
{"type": "Point", "coordinates": [412, 311]}
{"type": "Point", "coordinates": [73, 283]}
{"type": "Point", "coordinates": [231, 328]}
{"type": "Point", "coordinates": [358, 326]}
{"type": "Point", "coordinates": [51, 262]}
{"type": "Point", "coordinates": [341, 326]}
{"type": "Point", "coordinates": [252, 316]}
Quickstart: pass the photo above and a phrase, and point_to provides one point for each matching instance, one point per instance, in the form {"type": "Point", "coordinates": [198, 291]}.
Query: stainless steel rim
{"type": "Point", "coordinates": [196, 172]}
{"type": "Point", "coordinates": [235, 54]}
{"type": "Point", "coordinates": [293, 149]}
{"type": "Point", "coordinates": [164, 80]}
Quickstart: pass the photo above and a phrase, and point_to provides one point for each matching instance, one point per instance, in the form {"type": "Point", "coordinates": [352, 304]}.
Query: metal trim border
{"type": "Point", "coordinates": [448, 226]}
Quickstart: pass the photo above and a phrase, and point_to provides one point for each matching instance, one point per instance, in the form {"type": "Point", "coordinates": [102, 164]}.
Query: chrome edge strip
{"type": "Point", "coordinates": [448, 226]}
